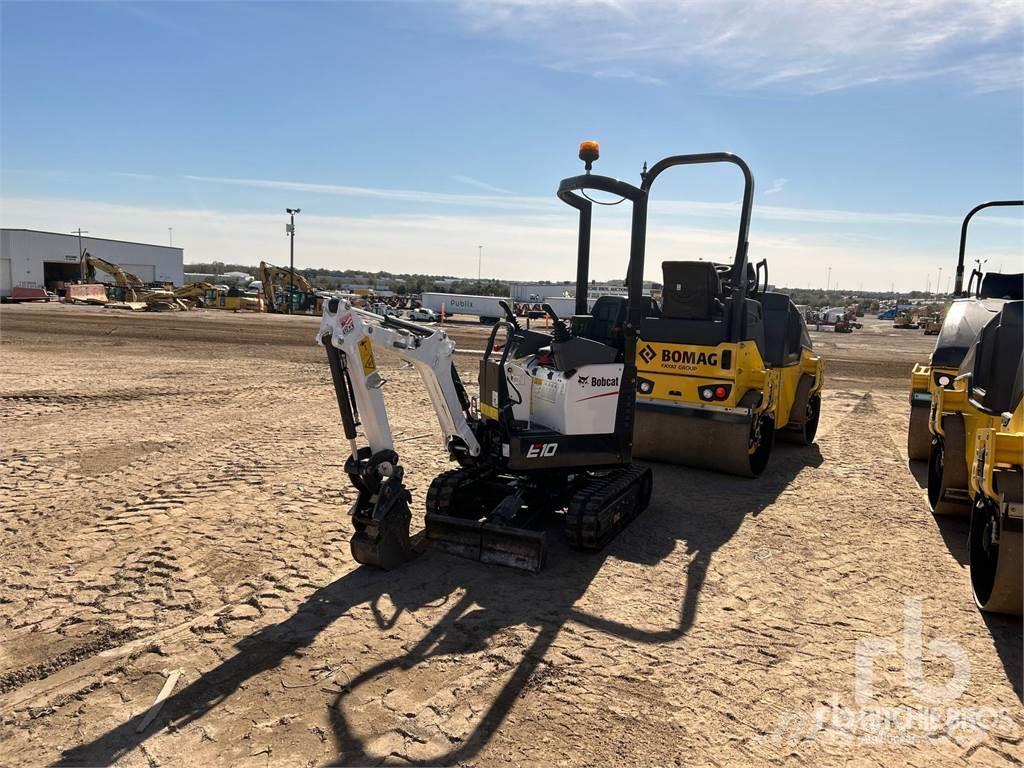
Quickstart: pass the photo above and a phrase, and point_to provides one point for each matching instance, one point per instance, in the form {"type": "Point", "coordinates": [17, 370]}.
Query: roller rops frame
{"type": "Point", "coordinates": [958, 284]}
{"type": "Point", "coordinates": [639, 197]}
{"type": "Point", "coordinates": [638, 240]}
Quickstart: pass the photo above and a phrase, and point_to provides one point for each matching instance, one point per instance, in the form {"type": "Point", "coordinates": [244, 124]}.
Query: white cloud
{"type": "Point", "coordinates": [776, 186]}
{"type": "Point", "coordinates": [802, 45]}
{"type": "Point", "coordinates": [480, 184]}
{"type": "Point", "coordinates": [521, 246]}
{"type": "Point", "coordinates": [622, 73]}
{"type": "Point", "coordinates": [549, 204]}
{"type": "Point", "coordinates": [505, 201]}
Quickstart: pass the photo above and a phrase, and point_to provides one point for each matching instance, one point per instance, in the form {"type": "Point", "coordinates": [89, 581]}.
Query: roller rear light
{"type": "Point", "coordinates": [712, 393]}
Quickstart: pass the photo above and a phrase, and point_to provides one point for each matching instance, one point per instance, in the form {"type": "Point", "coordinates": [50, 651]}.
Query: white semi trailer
{"type": "Point", "coordinates": [488, 309]}
{"type": "Point", "coordinates": [484, 307]}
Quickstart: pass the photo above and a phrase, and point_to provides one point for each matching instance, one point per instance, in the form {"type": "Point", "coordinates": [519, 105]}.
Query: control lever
{"type": "Point", "coordinates": [558, 330]}
{"type": "Point", "coordinates": [510, 314]}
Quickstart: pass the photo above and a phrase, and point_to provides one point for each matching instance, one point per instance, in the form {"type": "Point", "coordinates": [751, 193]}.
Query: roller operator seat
{"type": "Point", "coordinates": [693, 291]}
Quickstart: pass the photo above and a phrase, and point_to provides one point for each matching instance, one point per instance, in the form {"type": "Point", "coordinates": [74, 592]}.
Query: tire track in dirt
{"type": "Point", "coordinates": [725, 606]}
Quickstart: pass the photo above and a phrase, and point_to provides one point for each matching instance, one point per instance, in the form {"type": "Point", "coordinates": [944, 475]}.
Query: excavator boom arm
{"type": "Point", "coordinates": [355, 334]}
{"type": "Point", "coordinates": [269, 274]}
{"type": "Point", "coordinates": [91, 263]}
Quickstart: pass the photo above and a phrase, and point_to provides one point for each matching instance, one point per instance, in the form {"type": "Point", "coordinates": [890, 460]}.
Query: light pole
{"type": "Point", "coordinates": [291, 258]}
{"type": "Point", "coordinates": [80, 232]}
{"type": "Point", "coordinates": [170, 236]}
{"type": "Point", "coordinates": [938, 283]}
{"type": "Point", "coordinates": [828, 280]}
{"type": "Point", "coordinates": [479, 262]}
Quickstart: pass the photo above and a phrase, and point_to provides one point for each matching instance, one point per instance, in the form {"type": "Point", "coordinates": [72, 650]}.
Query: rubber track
{"type": "Point", "coordinates": [443, 487]}
{"type": "Point", "coordinates": [589, 521]}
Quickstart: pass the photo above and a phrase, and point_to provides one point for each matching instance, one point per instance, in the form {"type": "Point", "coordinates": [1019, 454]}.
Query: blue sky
{"type": "Point", "coordinates": [411, 133]}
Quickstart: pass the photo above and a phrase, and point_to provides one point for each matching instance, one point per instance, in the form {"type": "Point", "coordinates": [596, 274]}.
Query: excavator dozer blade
{"type": "Point", "coordinates": [454, 535]}
{"type": "Point", "coordinates": [514, 547]}
{"type": "Point", "coordinates": [519, 548]}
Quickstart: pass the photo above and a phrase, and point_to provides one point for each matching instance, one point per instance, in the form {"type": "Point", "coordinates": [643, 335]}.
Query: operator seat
{"type": "Point", "coordinates": [784, 336]}
{"type": "Point", "coordinates": [996, 365]}
{"type": "Point", "coordinates": [999, 286]}
{"type": "Point", "coordinates": [692, 307]}
{"type": "Point", "coordinates": [608, 317]}
{"type": "Point", "coordinates": [693, 290]}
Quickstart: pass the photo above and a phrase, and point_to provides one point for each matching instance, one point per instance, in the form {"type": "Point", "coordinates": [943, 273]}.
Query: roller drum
{"type": "Point", "coordinates": [997, 569]}
{"type": "Point", "coordinates": [693, 441]}
{"type": "Point", "coordinates": [919, 437]}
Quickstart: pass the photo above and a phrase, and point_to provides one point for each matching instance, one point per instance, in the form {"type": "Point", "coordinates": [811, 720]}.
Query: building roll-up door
{"type": "Point", "coordinates": [5, 277]}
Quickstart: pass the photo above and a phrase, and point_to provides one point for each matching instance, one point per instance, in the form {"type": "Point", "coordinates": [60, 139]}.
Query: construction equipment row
{"type": "Point", "coordinates": [131, 292]}
{"type": "Point", "coordinates": [967, 422]}
{"type": "Point", "coordinates": [710, 378]}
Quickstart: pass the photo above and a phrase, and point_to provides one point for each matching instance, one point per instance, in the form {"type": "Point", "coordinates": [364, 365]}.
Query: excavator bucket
{"type": "Point", "coordinates": [487, 542]}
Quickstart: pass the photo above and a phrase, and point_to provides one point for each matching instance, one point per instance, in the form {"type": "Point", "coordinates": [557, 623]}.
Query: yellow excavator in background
{"type": "Point", "coordinates": [232, 299]}
{"type": "Point", "coordinates": [129, 286]}
{"type": "Point", "coordinates": [268, 273]}
{"type": "Point", "coordinates": [209, 296]}
{"type": "Point", "coordinates": [905, 319]}
{"type": "Point", "coordinates": [194, 294]}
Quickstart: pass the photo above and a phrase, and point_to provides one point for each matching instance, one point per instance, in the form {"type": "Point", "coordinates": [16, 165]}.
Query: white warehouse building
{"type": "Point", "coordinates": [34, 259]}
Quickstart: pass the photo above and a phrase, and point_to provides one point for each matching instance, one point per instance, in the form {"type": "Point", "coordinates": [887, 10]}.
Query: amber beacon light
{"type": "Point", "coordinates": [589, 152]}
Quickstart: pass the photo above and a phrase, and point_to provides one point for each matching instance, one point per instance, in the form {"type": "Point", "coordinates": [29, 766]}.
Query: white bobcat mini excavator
{"type": "Point", "coordinates": [552, 429]}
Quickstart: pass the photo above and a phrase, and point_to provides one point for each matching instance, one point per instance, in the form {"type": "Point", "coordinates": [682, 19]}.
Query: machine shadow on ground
{"type": "Point", "coordinates": [694, 508]}
{"type": "Point", "coordinates": [1007, 633]}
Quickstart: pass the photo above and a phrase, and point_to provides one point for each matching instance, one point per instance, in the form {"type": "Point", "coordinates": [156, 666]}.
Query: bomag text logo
{"type": "Point", "coordinates": [689, 357]}
{"type": "Point", "coordinates": [647, 353]}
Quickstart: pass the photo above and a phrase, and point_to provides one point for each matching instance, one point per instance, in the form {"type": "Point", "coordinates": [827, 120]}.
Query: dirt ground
{"type": "Point", "coordinates": [172, 498]}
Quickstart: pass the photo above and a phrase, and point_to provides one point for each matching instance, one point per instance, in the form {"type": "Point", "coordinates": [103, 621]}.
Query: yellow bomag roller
{"type": "Point", "coordinates": [970, 311]}
{"type": "Point", "coordinates": [996, 475]}
{"type": "Point", "coordinates": [960, 411]}
{"type": "Point", "coordinates": [727, 366]}
{"type": "Point", "coordinates": [978, 453]}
